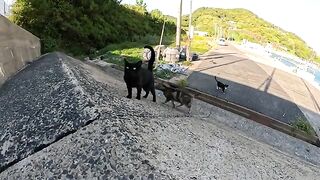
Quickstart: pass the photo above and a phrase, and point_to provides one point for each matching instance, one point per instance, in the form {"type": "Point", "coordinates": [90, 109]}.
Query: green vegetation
{"type": "Point", "coordinates": [83, 27]}
{"type": "Point", "coordinates": [114, 59]}
{"type": "Point", "coordinates": [200, 44]}
{"type": "Point", "coordinates": [186, 63]}
{"type": "Point", "coordinates": [134, 53]}
{"type": "Point", "coordinates": [317, 59]}
{"type": "Point", "coordinates": [182, 83]}
{"type": "Point", "coordinates": [164, 74]}
{"type": "Point", "coordinates": [243, 24]}
{"type": "Point", "coordinates": [114, 53]}
{"type": "Point", "coordinates": [303, 125]}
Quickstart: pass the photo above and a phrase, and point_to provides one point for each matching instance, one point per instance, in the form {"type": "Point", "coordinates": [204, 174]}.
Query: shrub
{"type": "Point", "coordinates": [303, 125]}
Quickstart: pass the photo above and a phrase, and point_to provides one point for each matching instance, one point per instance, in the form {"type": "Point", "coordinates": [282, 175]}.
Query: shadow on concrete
{"type": "Point", "coordinates": [216, 56]}
{"type": "Point", "coordinates": [255, 99]}
{"type": "Point", "coordinates": [267, 82]}
{"type": "Point", "coordinates": [315, 103]}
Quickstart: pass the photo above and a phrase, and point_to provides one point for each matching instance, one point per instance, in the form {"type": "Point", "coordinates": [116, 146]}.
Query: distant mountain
{"type": "Point", "coordinates": [243, 24]}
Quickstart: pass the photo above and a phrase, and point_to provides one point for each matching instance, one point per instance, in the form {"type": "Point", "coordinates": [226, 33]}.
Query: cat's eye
{"type": "Point", "coordinates": [127, 67]}
{"type": "Point", "coordinates": [134, 68]}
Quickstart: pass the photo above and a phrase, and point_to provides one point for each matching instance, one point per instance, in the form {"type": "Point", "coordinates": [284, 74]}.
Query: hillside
{"type": "Point", "coordinates": [82, 27]}
{"type": "Point", "coordinates": [243, 24]}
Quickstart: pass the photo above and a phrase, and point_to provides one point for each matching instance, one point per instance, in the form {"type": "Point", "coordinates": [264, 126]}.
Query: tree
{"type": "Point", "coordinates": [156, 14]}
{"type": "Point", "coordinates": [141, 3]}
{"type": "Point", "coordinates": [82, 26]}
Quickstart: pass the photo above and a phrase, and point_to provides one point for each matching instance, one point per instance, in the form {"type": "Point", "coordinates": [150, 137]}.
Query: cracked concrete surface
{"type": "Point", "coordinates": [93, 132]}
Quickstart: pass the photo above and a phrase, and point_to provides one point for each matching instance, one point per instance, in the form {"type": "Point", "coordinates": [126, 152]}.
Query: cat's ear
{"type": "Point", "coordinates": [139, 64]}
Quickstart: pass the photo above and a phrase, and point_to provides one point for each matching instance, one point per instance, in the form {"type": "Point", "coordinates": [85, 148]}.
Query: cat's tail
{"type": "Point", "coordinates": [215, 77]}
{"type": "Point", "coordinates": [152, 58]}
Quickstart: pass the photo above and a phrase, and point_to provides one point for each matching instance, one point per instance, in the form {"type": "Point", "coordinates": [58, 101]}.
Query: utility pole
{"type": "Point", "coordinates": [178, 33]}
{"type": "Point", "coordinates": [215, 31]}
{"type": "Point", "coordinates": [190, 35]}
{"type": "Point", "coordinates": [164, 24]}
{"type": "Point", "coordinates": [160, 43]}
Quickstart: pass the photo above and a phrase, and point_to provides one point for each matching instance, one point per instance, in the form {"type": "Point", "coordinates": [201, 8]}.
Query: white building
{"type": "Point", "coordinates": [4, 8]}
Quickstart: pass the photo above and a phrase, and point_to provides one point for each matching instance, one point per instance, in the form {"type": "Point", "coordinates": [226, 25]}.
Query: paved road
{"type": "Point", "coordinates": [64, 119]}
{"type": "Point", "coordinates": [249, 85]}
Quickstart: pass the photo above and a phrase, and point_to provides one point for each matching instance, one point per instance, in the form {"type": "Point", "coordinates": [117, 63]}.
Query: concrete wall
{"type": "Point", "coordinates": [17, 47]}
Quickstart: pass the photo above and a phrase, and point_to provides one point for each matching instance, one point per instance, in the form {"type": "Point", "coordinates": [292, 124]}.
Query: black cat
{"type": "Point", "coordinates": [220, 85]}
{"type": "Point", "coordinates": [139, 77]}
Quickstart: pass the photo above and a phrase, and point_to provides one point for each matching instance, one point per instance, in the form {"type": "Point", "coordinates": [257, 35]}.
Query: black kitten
{"type": "Point", "coordinates": [220, 85]}
{"type": "Point", "coordinates": [139, 77]}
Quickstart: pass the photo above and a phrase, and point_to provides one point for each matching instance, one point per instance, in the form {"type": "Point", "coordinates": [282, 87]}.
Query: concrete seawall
{"type": "Point", "coordinates": [17, 47]}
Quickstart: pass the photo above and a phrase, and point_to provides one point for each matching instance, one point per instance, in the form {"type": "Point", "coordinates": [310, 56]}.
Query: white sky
{"type": "Point", "coordinates": [9, 1]}
{"type": "Point", "coordinates": [297, 16]}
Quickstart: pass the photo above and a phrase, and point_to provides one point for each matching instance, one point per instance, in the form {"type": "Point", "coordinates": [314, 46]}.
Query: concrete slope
{"type": "Point", "coordinates": [38, 106]}
{"type": "Point", "coordinates": [71, 120]}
